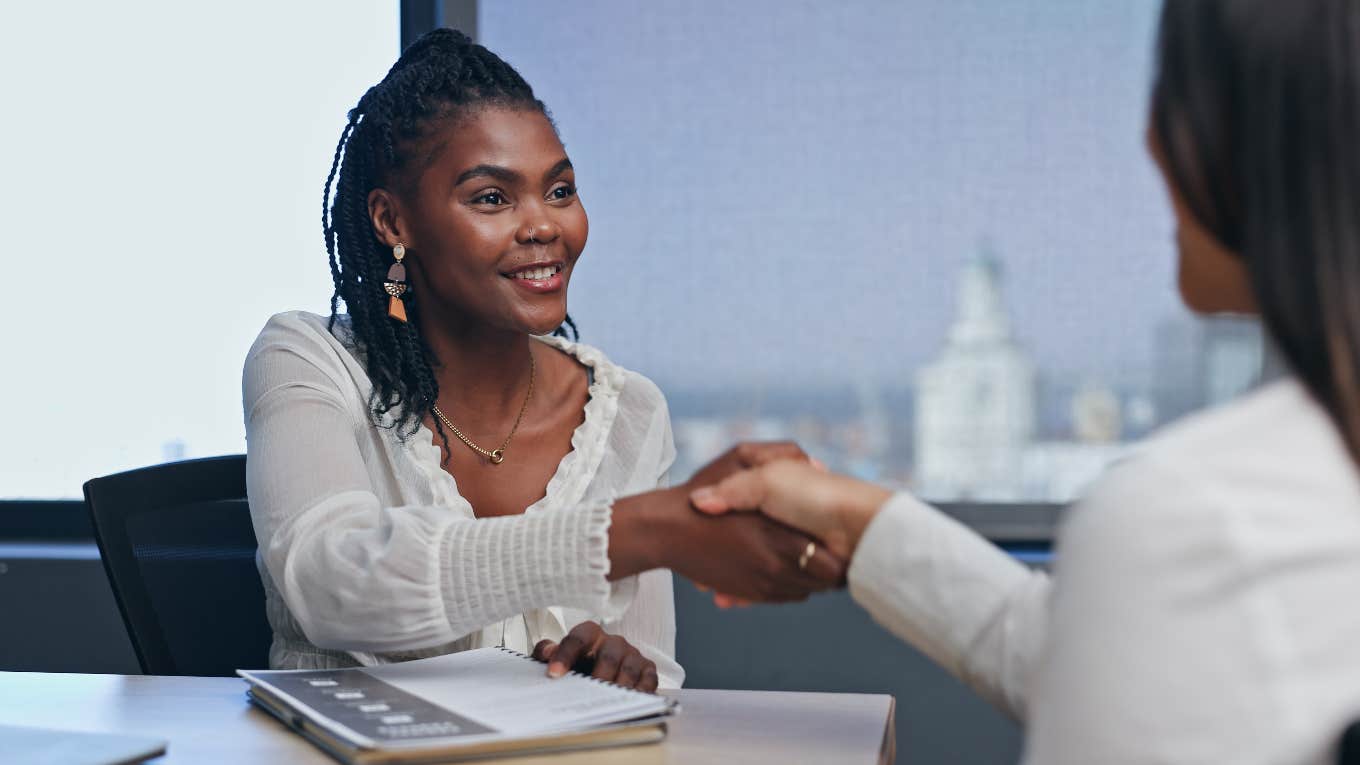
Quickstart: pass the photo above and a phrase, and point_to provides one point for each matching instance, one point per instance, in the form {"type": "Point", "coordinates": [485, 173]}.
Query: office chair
{"type": "Point", "coordinates": [1349, 751]}
{"type": "Point", "coordinates": [179, 550]}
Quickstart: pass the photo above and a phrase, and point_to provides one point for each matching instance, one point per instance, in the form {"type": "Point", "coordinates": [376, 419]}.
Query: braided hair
{"type": "Point", "coordinates": [440, 77]}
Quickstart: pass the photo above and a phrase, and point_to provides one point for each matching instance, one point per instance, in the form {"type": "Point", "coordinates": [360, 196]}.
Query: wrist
{"type": "Point", "coordinates": [643, 531]}
{"type": "Point", "coordinates": [858, 507]}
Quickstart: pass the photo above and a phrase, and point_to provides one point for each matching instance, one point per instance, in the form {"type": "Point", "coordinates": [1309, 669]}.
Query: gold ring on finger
{"type": "Point", "coordinates": [808, 552]}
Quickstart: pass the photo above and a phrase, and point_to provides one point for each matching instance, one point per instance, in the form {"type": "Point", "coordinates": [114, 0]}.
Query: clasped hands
{"type": "Point", "coordinates": [788, 488]}
{"type": "Point", "coordinates": [749, 556]}
{"type": "Point", "coordinates": [800, 542]}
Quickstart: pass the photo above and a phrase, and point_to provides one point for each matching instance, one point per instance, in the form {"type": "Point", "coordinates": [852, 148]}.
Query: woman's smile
{"type": "Point", "coordinates": [540, 278]}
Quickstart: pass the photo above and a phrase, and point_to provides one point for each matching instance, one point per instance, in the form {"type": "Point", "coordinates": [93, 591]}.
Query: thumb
{"type": "Point", "coordinates": [743, 490]}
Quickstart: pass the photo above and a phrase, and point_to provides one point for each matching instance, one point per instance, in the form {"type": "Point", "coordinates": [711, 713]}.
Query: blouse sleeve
{"type": "Point", "coordinates": [967, 605]}
{"type": "Point", "coordinates": [361, 576]}
{"type": "Point", "coordinates": [649, 624]}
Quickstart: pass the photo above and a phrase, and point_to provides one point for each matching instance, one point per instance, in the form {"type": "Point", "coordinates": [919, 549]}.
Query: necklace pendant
{"type": "Point", "coordinates": [497, 457]}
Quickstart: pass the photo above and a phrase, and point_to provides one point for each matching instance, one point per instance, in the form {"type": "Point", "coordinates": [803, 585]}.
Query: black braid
{"type": "Point", "coordinates": [440, 76]}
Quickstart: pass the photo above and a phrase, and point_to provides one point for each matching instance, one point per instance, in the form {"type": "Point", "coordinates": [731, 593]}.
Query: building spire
{"type": "Point", "coordinates": [981, 313]}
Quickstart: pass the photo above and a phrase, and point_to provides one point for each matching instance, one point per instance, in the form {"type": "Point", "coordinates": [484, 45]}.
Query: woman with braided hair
{"type": "Point", "coordinates": [438, 467]}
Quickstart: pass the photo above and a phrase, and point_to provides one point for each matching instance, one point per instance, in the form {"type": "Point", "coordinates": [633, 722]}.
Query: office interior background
{"type": "Point", "coordinates": [922, 238]}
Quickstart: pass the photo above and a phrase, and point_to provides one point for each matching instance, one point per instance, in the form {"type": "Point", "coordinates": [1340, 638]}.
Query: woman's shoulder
{"type": "Point", "coordinates": [301, 344]}
{"type": "Point", "coordinates": [300, 330]}
{"type": "Point", "coordinates": [633, 390]}
{"type": "Point", "coordinates": [1268, 462]}
{"type": "Point", "coordinates": [1275, 435]}
{"type": "Point", "coordinates": [1283, 407]}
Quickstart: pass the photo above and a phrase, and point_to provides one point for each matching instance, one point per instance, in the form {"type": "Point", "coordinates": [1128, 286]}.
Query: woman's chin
{"type": "Point", "coordinates": [1211, 285]}
{"type": "Point", "coordinates": [543, 324]}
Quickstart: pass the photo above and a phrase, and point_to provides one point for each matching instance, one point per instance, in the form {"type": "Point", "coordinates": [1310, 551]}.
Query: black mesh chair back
{"type": "Point", "coordinates": [1349, 752]}
{"type": "Point", "coordinates": [179, 550]}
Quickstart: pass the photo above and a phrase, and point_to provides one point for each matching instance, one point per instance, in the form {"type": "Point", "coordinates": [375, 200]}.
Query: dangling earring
{"type": "Point", "coordinates": [396, 285]}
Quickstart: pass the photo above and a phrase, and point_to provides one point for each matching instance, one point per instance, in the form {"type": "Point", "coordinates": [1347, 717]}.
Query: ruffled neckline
{"type": "Point", "coordinates": [577, 468]}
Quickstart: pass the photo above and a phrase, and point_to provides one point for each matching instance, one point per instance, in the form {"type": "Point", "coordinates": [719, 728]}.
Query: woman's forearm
{"type": "Point", "coordinates": [645, 532]}
{"type": "Point", "coordinates": [744, 555]}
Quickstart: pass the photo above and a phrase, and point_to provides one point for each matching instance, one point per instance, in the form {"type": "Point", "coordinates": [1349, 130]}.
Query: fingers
{"type": "Point", "coordinates": [615, 659]}
{"type": "Point", "coordinates": [822, 571]}
{"type": "Point", "coordinates": [544, 650]}
{"type": "Point", "coordinates": [747, 455]}
{"type": "Point", "coordinates": [724, 601]}
{"type": "Point", "coordinates": [756, 453]}
{"type": "Point", "coordinates": [649, 680]}
{"type": "Point", "coordinates": [753, 558]}
{"type": "Point", "coordinates": [610, 657]}
{"type": "Point", "coordinates": [746, 490]}
{"type": "Point", "coordinates": [630, 671]}
{"type": "Point", "coordinates": [581, 643]}
{"type": "Point", "coordinates": [826, 567]}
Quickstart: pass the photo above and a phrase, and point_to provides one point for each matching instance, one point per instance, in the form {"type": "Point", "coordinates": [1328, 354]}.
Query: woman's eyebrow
{"type": "Point", "coordinates": [502, 174]}
{"type": "Point", "coordinates": [562, 166]}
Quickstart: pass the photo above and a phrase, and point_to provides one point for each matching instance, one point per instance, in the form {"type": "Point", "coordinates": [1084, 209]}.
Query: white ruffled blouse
{"type": "Point", "coordinates": [369, 554]}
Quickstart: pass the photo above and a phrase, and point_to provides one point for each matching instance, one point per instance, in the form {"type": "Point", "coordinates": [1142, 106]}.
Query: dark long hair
{"type": "Point", "coordinates": [440, 77]}
{"type": "Point", "coordinates": [1257, 109]}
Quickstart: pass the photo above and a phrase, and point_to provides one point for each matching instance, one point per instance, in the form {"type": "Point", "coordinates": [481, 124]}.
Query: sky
{"type": "Point", "coordinates": [781, 193]}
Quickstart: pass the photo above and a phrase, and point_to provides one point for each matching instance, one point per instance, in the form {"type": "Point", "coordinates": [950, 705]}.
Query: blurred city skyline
{"type": "Point", "coordinates": [782, 193]}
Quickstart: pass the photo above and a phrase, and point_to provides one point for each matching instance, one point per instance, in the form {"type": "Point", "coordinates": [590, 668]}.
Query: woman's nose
{"type": "Point", "coordinates": [540, 232]}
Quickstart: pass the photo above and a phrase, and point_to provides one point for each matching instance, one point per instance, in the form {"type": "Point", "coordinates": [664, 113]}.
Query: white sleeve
{"type": "Point", "coordinates": [361, 576]}
{"type": "Point", "coordinates": [1157, 652]}
{"type": "Point", "coordinates": [649, 623]}
{"type": "Point", "coordinates": [967, 605]}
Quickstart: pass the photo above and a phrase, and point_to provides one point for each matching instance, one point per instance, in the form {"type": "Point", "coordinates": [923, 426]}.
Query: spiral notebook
{"type": "Point", "coordinates": [486, 702]}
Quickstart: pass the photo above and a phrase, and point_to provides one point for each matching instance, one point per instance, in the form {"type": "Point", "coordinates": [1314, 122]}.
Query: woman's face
{"type": "Point", "coordinates": [493, 227]}
{"type": "Point", "coordinates": [1212, 278]}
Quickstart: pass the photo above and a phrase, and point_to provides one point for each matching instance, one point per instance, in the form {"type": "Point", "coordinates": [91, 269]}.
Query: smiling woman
{"type": "Point", "coordinates": [502, 238]}
{"type": "Point", "coordinates": [453, 236]}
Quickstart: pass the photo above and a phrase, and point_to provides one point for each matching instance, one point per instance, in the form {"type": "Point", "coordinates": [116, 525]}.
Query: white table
{"type": "Point", "coordinates": [208, 720]}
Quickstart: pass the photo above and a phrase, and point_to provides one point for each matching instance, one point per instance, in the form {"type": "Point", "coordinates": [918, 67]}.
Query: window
{"type": "Point", "coordinates": [921, 238]}
{"type": "Point", "coordinates": [163, 169]}
{"type": "Point", "coordinates": [924, 239]}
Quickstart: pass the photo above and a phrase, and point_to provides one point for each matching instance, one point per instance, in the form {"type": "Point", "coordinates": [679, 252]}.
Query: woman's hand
{"type": "Point", "coordinates": [755, 562]}
{"type": "Point", "coordinates": [590, 650]}
{"type": "Point", "coordinates": [747, 455]}
{"type": "Point", "coordinates": [833, 508]}
{"type": "Point", "coordinates": [746, 555]}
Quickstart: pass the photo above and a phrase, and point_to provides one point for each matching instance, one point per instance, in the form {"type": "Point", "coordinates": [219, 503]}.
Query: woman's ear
{"type": "Point", "coordinates": [389, 224]}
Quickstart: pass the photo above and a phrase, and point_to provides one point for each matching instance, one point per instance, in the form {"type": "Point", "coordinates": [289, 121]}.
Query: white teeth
{"type": "Point", "coordinates": [537, 274]}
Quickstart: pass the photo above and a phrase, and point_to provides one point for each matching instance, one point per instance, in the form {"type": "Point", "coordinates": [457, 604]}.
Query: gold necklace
{"type": "Point", "coordinates": [497, 456]}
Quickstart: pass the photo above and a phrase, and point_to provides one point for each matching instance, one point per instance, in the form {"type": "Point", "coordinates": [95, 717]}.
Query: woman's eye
{"type": "Point", "coordinates": [489, 198]}
{"type": "Point", "coordinates": [562, 192]}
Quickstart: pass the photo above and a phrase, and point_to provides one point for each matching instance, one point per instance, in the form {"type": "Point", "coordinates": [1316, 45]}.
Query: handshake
{"type": "Point", "coordinates": [762, 523]}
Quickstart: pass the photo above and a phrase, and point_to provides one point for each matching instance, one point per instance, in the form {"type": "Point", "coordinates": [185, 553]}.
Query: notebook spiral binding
{"type": "Point", "coordinates": [574, 672]}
